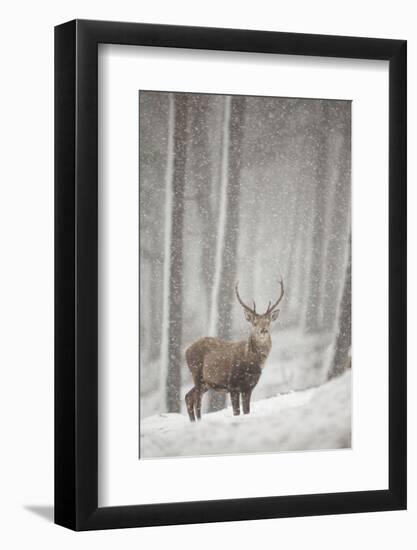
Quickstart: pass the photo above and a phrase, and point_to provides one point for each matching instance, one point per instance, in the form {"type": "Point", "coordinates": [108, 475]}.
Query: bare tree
{"type": "Point", "coordinates": [341, 355]}
{"type": "Point", "coordinates": [153, 131]}
{"type": "Point", "coordinates": [228, 239]}
{"type": "Point", "coordinates": [228, 278]}
{"type": "Point", "coordinates": [200, 168]}
{"type": "Point", "coordinates": [339, 215]}
{"type": "Point", "coordinates": [319, 141]}
{"type": "Point", "coordinates": [171, 355]}
{"type": "Point", "coordinates": [151, 302]}
{"type": "Point", "coordinates": [221, 220]}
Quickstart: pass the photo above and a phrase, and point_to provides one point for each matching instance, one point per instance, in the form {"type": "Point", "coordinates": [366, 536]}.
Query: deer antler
{"type": "Point", "coordinates": [271, 308]}
{"type": "Point", "coordinates": [241, 302]}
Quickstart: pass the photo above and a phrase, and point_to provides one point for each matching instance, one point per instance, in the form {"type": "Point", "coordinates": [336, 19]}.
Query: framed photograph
{"type": "Point", "coordinates": [230, 275]}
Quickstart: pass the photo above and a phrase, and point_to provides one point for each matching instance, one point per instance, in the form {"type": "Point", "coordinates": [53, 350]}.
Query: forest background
{"type": "Point", "coordinates": [249, 189]}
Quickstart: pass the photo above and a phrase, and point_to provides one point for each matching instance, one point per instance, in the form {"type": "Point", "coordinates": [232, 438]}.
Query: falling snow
{"type": "Point", "coordinates": [247, 189]}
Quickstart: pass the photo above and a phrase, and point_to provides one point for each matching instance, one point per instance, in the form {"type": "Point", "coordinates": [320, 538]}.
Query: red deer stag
{"type": "Point", "coordinates": [232, 367]}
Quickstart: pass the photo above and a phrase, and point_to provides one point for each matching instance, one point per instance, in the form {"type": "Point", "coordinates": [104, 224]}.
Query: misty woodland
{"type": "Point", "coordinates": [245, 274]}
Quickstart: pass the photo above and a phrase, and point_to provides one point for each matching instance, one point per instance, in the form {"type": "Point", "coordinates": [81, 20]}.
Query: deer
{"type": "Point", "coordinates": [231, 367]}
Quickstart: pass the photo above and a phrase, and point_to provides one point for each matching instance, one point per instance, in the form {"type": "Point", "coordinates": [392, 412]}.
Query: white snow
{"type": "Point", "coordinates": [317, 418]}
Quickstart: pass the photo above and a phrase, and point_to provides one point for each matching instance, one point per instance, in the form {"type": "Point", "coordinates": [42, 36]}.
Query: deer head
{"type": "Point", "coordinates": [260, 322]}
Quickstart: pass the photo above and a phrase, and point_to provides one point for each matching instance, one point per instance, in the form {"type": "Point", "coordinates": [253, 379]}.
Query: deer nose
{"type": "Point", "coordinates": [264, 331]}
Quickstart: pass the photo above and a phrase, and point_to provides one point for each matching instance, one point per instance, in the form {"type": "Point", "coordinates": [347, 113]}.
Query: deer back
{"type": "Point", "coordinates": [224, 365]}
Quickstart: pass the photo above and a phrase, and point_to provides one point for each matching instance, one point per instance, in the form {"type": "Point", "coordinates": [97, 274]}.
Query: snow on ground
{"type": "Point", "coordinates": [317, 418]}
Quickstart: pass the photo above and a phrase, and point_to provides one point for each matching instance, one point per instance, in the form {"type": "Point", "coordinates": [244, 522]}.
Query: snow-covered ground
{"type": "Point", "coordinates": [316, 418]}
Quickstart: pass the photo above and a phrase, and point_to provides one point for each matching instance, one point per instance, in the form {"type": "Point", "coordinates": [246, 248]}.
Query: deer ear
{"type": "Point", "coordinates": [274, 315]}
{"type": "Point", "coordinates": [248, 316]}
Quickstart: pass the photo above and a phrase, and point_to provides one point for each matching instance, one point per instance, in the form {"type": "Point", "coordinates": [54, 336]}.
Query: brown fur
{"type": "Point", "coordinates": [232, 367]}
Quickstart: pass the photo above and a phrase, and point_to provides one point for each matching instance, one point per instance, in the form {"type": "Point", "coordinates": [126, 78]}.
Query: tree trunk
{"type": "Point", "coordinates": [319, 141]}
{"type": "Point", "coordinates": [304, 260]}
{"type": "Point", "coordinates": [339, 221]}
{"type": "Point", "coordinates": [202, 180]}
{"type": "Point", "coordinates": [227, 271]}
{"type": "Point", "coordinates": [221, 221]}
{"type": "Point", "coordinates": [174, 248]}
{"type": "Point", "coordinates": [228, 278]}
{"type": "Point", "coordinates": [151, 302]}
{"type": "Point", "coordinates": [341, 356]}
{"type": "Point", "coordinates": [155, 315]}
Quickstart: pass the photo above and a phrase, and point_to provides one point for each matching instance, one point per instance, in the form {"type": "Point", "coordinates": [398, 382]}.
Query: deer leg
{"type": "Point", "coordinates": [198, 405]}
{"type": "Point", "coordinates": [235, 398]}
{"type": "Point", "coordinates": [246, 395]}
{"type": "Point", "coordinates": [199, 396]}
{"type": "Point", "coordinates": [189, 401]}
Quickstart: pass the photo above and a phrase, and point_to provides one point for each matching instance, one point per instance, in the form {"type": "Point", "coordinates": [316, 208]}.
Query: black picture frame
{"type": "Point", "coordinates": [76, 272]}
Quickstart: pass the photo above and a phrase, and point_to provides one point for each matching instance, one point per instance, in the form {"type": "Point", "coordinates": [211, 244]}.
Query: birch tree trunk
{"type": "Point", "coordinates": [226, 270]}
{"type": "Point", "coordinates": [229, 263]}
{"type": "Point", "coordinates": [221, 221]}
{"type": "Point", "coordinates": [173, 275]}
{"type": "Point", "coordinates": [200, 167]}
